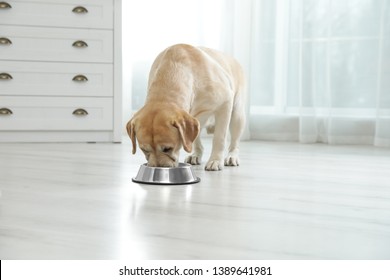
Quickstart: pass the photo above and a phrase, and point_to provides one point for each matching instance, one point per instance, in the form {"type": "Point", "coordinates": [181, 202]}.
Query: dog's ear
{"type": "Point", "coordinates": [188, 128]}
{"type": "Point", "coordinates": [130, 127]}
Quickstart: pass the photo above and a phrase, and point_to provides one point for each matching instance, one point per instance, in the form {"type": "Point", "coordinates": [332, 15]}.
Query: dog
{"type": "Point", "coordinates": [190, 88]}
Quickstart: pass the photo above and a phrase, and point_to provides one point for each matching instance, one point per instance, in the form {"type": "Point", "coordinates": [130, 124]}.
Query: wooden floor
{"type": "Point", "coordinates": [285, 201]}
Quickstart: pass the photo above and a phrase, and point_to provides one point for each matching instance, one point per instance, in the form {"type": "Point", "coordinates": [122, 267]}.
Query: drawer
{"type": "Point", "coordinates": [59, 13]}
{"type": "Point", "coordinates": [57, 45]}
{"type": "Point", "coordinates": [55, 113]}
{"type": "Point", "coordinates": [55, 79]}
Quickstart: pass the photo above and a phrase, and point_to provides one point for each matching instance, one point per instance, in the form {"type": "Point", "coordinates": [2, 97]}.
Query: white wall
{"type": "Point", "coordinates": [149, 26]}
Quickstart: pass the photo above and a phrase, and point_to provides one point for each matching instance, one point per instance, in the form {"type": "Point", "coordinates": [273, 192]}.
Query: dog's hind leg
{"type": "Point", "coordinates": [237, 125]}
{"type": "Point", "coordinates": [210, 126]}
{"type": "Point", "coordinates": [222, 118]}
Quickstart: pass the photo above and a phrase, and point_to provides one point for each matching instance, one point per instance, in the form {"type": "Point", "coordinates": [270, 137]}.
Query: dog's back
{"type": "Point", "coordinates": [211, 76]}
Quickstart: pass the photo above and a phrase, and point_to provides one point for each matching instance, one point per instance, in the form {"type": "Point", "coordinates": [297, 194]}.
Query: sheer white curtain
{"type": "Point", "coordinates": [318, 70]}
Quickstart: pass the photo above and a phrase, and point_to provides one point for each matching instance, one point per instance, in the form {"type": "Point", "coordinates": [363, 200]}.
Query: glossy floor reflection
{"type": "Point", "coordinates": [285, 201]}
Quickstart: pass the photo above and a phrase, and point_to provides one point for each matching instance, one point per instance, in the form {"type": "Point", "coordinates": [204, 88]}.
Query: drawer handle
{"type": "Point", "coordinates": [80, 78]}
{"type": "Point", "coordinates": [5, 111]}
{"type": "Point", "coordinates": [80, 44]}
{"type": "Point", "coordinates": [80, 112]}
{"type": "Point", "coordinates": [80, 10]}
{"type": "Point", "coordinates": [5, 41]}
{"type": "Point", "coordinates": [5, 76]}
{"type": "Point", "coordinates": [5, 5]}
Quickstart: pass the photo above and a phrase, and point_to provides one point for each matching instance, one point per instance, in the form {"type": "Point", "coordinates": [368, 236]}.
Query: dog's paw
{"type": "Point", "coordinates": [214, 165]}
{"type": "Point", "coordinates": [193, 160]}
{"type": "Point", "coordinates": [231, 160]}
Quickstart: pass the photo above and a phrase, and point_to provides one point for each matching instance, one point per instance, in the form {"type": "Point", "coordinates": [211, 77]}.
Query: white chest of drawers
{"type": "Point", "coordinates": [60, 71]}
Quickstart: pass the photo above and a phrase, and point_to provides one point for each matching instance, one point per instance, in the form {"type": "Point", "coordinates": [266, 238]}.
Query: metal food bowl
{"type": "Point", "coordinates": [181, 175]}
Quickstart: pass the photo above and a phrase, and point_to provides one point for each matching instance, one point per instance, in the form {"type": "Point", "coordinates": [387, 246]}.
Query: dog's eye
{"type": "Point", "coordinates": [166, 150]}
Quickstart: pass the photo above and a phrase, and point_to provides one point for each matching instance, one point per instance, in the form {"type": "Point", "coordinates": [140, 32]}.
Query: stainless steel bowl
{"type": "Point", "coordinates": [181, 175]}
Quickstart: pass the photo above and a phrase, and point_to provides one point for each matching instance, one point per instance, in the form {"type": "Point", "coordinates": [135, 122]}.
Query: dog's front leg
{"type": "Point", "coordinates": [196, 157]}
{"type": "Point", "coordinates": [222, 119]}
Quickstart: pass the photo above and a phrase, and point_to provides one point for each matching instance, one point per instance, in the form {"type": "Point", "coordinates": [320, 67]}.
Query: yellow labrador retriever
{"type": "Point", "coordinates": [190, 88]}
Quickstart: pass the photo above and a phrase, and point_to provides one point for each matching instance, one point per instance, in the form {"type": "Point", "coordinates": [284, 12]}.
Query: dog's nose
{"type": "Point", "coordinates": [169, 164]}
{"type": "Point", "coordinates": [163, 164]}
{"type": "Point", "coordinates": [152, 162]}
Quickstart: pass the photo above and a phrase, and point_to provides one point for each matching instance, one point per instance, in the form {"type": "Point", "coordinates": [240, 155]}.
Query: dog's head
{"type": "Point", "coordinates": [161, 134]}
